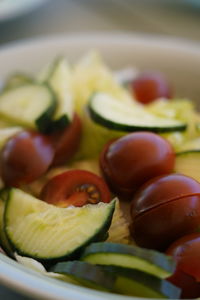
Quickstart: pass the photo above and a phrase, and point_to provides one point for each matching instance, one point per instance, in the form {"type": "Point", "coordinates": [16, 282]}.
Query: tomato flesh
{"type": "Point", "coordinates": [135, 158]}
{"type": "Point", "coordinates": [149, 86]}
{"type": "Point", "coordinates": [66, 141]}
{"type": "Point", "coordinates": [25, 157]}
{"type": "Point", "coordinates": [186, 252]}
{"type": "Point", "coordinates": [75, 187]}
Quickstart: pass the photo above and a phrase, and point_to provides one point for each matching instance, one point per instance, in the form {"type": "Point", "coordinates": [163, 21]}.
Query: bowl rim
{"type": "Point", "coordinates": [18, 277]}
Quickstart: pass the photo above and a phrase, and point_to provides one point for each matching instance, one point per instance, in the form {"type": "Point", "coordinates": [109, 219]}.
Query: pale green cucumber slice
{"type": "Point", "coordinates": [17, 79]}
{"type": "Point", "coordinates": [86, 274]}
{"type": "Point", "coordinates": [189, 145]}
{"type": "Point", "coordinates": [46, 232]}
{"type": "Point", "coordinates": [128, 256]}
{"type": "Point", "coordinates": [140, 284]}
{"type": "Point", "coordinates": [117, 115]}
{"type": "Point", "coordinates": [60, 81]}
{"type": "Point", "coordinates": [30, 105]}
{"type": "Point", "coordinates": [4, 243]}
{"type": "Point", "coordinates": [187, 163]}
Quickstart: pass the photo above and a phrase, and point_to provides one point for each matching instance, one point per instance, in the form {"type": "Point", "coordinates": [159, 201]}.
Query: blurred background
{"type": "Point", "coordinates": [21, 19]}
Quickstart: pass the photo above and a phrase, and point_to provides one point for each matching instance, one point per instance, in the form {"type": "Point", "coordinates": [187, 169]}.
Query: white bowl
{"type": "Point", "coordinates": [179, 60]}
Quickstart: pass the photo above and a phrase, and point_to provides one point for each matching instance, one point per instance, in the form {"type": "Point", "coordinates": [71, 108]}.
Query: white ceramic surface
{"type": "Point", "coordinates": [13, 8]}
{"type": "Point", "coordinates": [179, 60]}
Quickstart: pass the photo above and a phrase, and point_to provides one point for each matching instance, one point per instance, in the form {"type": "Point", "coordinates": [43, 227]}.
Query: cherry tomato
{"type": "Point", "coordinates": [150, 86]}
{"type": "Point", "coordinates": [75, 187]}
{"type": "Point", "coordinates": [164, 209]}
{"type": "Point", "coordinates": [186, 251]}
{"type": "Point", "coordinates": [66, 141]}
{"type": "Point", "coordinates": [135, 158]}
{"type": "Point", "coordinates": [163, 189]}
{"type": "Point", "coordinates": [25, 157]}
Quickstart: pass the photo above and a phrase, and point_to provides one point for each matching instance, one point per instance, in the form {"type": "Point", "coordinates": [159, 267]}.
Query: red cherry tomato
{"type": "Point", "coordinates": [164, 209]}
{"type": "Point", "coordinates": [25, 157]}
{"type": "Point", "coordinates": [75, 187]}
{"type": "Point", "coordinates": [163, 189]}
{"type": "Point", "coordinates": [150, 86]}
{"type": "Point", "coordinates": [186, 251]}
{"type": "Point", "coordinates": [66, 141]}
{"type": "Point", "coordinates": [135, 158]}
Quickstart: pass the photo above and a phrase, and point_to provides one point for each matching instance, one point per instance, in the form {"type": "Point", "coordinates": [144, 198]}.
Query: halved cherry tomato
{"type": "Point", "coordinates": [149, 86]}
{"type": "Point", "coordinates": [25, 157]}
{"type": "Point", "coordinates": [135, 158]}
{"type": "Point", "coordinates": [66, 141]}
{"type": "Point", "coordinates": [165, 209]}
{"type": "Point", "coordinates": [186, 251]}
{"type": "Point", "coordinates": [75, 187]}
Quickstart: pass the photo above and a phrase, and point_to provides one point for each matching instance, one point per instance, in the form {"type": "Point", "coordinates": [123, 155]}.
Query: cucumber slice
{"type": "Point", "coordinates": [140, 284]}
{"type": "Point", "coordinates": [111, 113]}
{"type": "Point", "coordinates": [86, 274]}
{"type": "Point", "coordinates": [119, 229]}
{"type": "Point", "coordinates": [17, 79]}
{"type": "Point", "coordinates": [60, 81]}
{"type": "Point", "coordinates": [190, 145]}
{"type": "Point", "coordinates": [133, 257]}
{"type": "Point", "coordinates": [3, 238]}
{"type": "Point", "coordinates": [30, 105]}
{"type": "Point", "coordinates": [187, 163]}
{"type": "Point", "coordinates": [49, 233]}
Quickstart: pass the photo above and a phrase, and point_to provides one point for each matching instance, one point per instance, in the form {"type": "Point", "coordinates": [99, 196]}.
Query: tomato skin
{"type": "Point", "coordinates": [186, 252]}
{"type": "Point", "coordinates": [135, 158]}
{"type": "Point", "coordinates": [162, 189]}
{"type": "Point", "coordinates": [149, 86]}
{"type": "Point", "coordinates": [160, 226]}
{"type": "Point", "coordinates": [66, 141]}
{"type": "Point", "coordinates": [72, 188]}
{"type": "Point", "coordinates": [165, 209]}
{"type": "Point", "coordinates": [25, 157]}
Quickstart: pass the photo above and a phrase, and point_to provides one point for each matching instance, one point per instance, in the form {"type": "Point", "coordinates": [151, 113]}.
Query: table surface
{"type": "Point", "coordinates": [175, 18]}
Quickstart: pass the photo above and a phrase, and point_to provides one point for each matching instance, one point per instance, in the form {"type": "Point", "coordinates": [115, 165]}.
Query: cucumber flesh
{"type": "Point", "coordinates": [86, 274]}
{"type": "Point", "coordinates": [16, 80]}
{"type": "Point", "coordinates": [190, 145]}
{"type": "Point", "coordinates": [140, 284]}
{"type": "Point", "coordinates": [114, 114]}
{"type": "Point", "coordinates": [49, 233]}
{"type": "Point", "coordinates": [60, 81]}
{"type": "Point", "coordinates": [187, 163]}
{"type": "Point", "coordinates": [4, 243]}
{"type": "Point", "coordinates": [129, 256]}
{"type": "Point", "coordinates": [30, 105]}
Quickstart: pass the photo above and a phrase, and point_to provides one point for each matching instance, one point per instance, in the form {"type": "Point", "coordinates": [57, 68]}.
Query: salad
{"type": "Point", "coordinates": [100, 183]}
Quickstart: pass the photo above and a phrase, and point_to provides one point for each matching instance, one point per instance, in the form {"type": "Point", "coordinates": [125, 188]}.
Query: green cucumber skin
{"type": "Point", "coordinates": [59, 124]}
{"type": "Point", "coordinates": [163, 261]}
{"type": "Point", "coordinates": [86, 274]}
{"type": "Point", "coordinates": [188, 152]}
{"type": "Point", "coordinates": [44, 122]}
{"type": "Point", "coordinates": [130, 128]}
{"type": "Point", "coordinates": [75, 253]}
{"type": "Point", "coordinates": [163, 287]}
